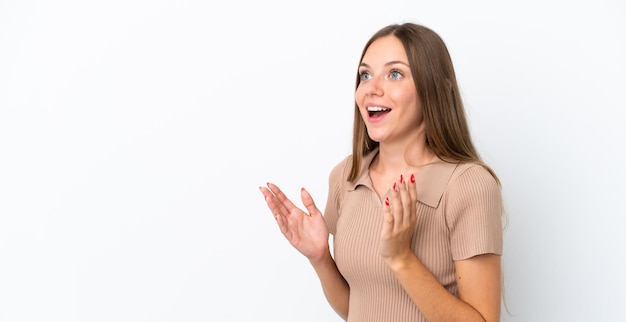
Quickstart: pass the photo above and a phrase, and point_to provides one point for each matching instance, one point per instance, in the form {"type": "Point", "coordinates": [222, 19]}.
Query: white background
{"type": "Point", "coordinates": [134, 136]}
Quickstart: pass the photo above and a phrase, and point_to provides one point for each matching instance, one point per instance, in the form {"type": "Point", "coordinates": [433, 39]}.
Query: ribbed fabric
{"type": "Point", "coordinates": [458, 216]}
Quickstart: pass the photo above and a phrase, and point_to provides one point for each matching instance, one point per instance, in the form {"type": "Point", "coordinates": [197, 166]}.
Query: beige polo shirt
{"type": "Point", "coordinates": [459, 215]}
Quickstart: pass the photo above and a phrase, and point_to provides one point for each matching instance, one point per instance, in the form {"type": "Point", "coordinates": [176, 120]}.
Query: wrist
{"type": "Point", "coordinates": [400, 261]}
{"type": "Point", "coordinates": [322, 260]}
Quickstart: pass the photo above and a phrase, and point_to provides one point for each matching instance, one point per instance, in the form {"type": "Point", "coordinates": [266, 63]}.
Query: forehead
{"type": "Point", "coordinates": [385, 49]}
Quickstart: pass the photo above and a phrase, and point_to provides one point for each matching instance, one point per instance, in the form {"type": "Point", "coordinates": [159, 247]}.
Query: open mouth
{"type": "Point", "coordinates": [376, 111]}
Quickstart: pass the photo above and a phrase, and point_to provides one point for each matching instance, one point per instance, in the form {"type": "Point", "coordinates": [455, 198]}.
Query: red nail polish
{"type": "Point", "coordinates": [395, 187]}
{"type": "Point", "coordinates": [412, 178]}
{"type": "Point", "coordinates": [401, 179]}
{"type": "Point", "coordinates": [387, 201]}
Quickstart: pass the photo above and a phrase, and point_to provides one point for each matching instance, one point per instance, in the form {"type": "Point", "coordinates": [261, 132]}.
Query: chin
{"type": "Point", "coordinates": [376, 137]}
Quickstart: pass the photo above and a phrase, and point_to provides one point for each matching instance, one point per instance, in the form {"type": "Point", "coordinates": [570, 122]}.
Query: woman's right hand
{"type": "Point", "coordinates": [308, 233]}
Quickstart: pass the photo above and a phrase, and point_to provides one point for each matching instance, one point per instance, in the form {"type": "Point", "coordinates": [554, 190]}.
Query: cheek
{"type": "Point", "coordinates": [409, 98]}
{"type": "Point", "coordinates": [358, 96]}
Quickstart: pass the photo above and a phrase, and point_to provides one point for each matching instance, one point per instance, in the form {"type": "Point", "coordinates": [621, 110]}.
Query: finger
{"type": "Point", "coordinates": [406, 202]}
{"type": "Point", "coordinates": [396, 206]}
{"type": "Point", "coordinates": [281, 197]}
{"type": "Point", "coordinates": [413, 189]}
{"type": "Point", "coordinates": [270, 199]}
{"type": "Point", "coordinates": [308, 202]}
{"type": "Point", "coordinates": [273, 203]}
{"type": "Point", "coordinates": [283, 226]}
{"type": "Point", "coordinates": [413, 194]}
{"type": "Point", "coordinates": [387, 219]}
{"type": "Point", "coordinates": [279, 215]}
{"type": "Point", "coordinates": [267, 195]}
{"type": "Point", "coordinates": [281, 200]}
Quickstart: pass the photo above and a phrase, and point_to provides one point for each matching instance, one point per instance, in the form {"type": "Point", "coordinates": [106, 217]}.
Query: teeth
{"type": "Point", "coordinates": [376, 109]}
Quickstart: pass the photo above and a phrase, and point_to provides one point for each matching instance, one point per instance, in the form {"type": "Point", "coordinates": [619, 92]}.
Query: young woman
{"type": "Point", "coordinates": [416, 216]}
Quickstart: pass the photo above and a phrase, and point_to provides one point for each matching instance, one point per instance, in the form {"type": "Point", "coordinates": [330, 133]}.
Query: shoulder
{"type": "Point", "coordinates": [472, 186]}
{"type": "Point", "coordinates": [473, 174]}
{"type": "Point", "coordinates": [472, 183]}
{"type": "Point", "coordinates": [336, 191]}
{"type": "Point", "coordinates": [341, 169]}
{"type": "Point", "coordinates": [473, 211]}
{"type": "Point", "coordinates": [446, 181]}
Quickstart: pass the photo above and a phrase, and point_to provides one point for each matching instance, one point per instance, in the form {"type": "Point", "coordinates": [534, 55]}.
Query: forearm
{"type": "Point", "coordinates": [335, 287]}
{"type": "Point", "coordinates": [433, 300]}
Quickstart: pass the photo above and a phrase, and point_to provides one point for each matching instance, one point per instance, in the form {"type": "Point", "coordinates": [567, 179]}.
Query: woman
{"type": "Point", "coordinates": [414, 212]}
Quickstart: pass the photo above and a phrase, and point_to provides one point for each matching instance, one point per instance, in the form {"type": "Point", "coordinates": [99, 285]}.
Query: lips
{"type": "Point", "coordinates": [376, 112]}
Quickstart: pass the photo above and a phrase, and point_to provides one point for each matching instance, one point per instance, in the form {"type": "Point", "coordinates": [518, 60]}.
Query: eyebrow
{"type": "Point", "coordinates": [393, 62]}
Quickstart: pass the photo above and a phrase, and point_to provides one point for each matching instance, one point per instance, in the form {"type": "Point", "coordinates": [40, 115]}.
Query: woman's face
{"type": "Point", "coordinates": [386, 95]}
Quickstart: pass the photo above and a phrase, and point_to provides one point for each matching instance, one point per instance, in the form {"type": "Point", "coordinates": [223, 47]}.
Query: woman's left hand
{"type": "Point", "coordinates": [399, 219]}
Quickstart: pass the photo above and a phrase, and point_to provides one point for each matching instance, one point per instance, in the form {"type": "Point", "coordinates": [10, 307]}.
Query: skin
{"type": "Point", "coordinates": [308, 233]}
{"type": "Point", "coordinates": [386, 81]}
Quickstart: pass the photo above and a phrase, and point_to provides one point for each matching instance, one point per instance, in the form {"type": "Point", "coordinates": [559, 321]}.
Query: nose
{"type": "Point", "coordinates": [373, 86]}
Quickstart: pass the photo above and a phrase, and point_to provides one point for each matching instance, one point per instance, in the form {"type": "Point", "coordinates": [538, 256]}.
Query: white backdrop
{"type": "Point", "coordinates": [134, 135]}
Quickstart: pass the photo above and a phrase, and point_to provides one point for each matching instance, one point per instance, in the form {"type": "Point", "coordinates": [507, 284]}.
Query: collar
{"type": "Point", "coordinates": [431, 181]}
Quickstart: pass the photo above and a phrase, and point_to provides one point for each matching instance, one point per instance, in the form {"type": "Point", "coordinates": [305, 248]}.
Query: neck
{"type": "Point", "coordinates": [402, 157]}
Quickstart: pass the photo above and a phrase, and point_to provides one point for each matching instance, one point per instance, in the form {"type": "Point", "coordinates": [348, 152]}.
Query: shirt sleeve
{"type": "Point", "coordinates": [474, 213]}
{"type": "Point", "coordinates": [335, 192]}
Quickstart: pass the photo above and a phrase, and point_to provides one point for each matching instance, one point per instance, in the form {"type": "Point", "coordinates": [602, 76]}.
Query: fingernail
{"type": "Point", "coordinates": [387, 201]}
{"type": "Point", "coordinates": [395, 186]}
{"type": "Point", "coordinates": [412, 178]}
{"type": "Point", "coordinates": [401, 179]}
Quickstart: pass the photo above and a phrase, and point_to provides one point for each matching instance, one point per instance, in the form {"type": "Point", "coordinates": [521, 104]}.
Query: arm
{"type": "Point", "coordinates": [335, 287]}
{"type": "Point", "coordinates": [478, 278]}
{"type": "Point", "coordinates": [308, 233]}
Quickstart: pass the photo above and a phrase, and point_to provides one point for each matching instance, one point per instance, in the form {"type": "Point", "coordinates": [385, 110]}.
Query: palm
{"type": "Point", "coordinates": [308, 233]}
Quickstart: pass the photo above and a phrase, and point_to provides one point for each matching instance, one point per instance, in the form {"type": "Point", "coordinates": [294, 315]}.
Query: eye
{"type": "Point", "coordinates": [395, 74]}
{"type": "Point", "coordinates": [364, 76]}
